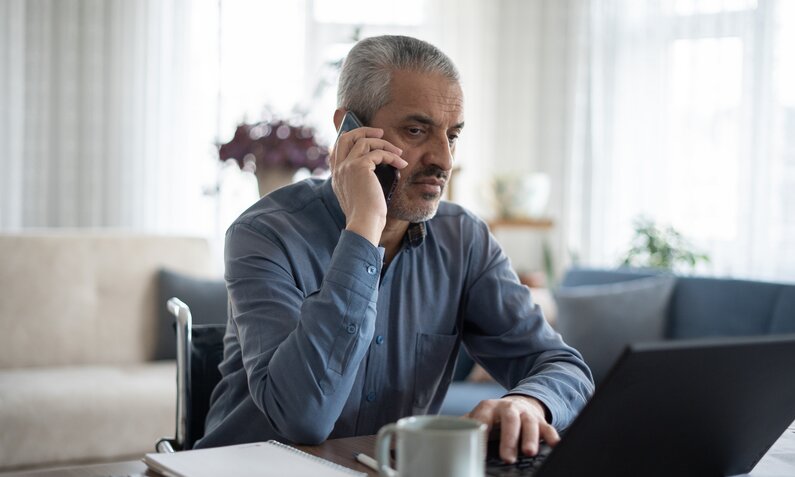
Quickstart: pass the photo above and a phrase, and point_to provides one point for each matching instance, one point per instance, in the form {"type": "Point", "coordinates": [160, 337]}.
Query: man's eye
{"type": "Point", "coordinates": [452, 138]}
{"type": "Point", "coordinates": [415, 131]}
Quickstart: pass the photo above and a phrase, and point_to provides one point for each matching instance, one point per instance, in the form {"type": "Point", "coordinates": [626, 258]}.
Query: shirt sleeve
{"type": "Point", "coordinates": [301, 353]}
{"type": "Point", "coordinates": [507, 334]}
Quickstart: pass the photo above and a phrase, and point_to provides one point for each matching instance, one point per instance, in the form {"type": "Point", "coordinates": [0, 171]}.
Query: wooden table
{"type": "Point", "coordinates": [780, 460]}
{"type": "Point", "coordinates": [340, 451]}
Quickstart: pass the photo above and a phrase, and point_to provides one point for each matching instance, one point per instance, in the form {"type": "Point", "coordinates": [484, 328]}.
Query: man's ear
{"type": "Point", "coordinates": [338, 115]}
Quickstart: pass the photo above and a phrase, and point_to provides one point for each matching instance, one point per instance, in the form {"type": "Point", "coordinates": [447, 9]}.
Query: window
{"type": "Point", "coordinates": [693, 121]}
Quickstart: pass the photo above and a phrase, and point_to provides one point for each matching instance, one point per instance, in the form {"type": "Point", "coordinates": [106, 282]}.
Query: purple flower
{"type": "Point", "coordinates": [276, 143]}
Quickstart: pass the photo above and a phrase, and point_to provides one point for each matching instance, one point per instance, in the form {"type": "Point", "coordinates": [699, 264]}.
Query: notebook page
{"type": "Point", "coordinates": [261, 459]}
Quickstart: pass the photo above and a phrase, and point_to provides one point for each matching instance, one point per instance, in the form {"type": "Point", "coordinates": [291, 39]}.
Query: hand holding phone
{"type": "Point", "coordinates": [387, 175]}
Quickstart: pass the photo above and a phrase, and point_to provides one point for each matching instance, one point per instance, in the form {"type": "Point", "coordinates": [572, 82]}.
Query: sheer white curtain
{"type": "Point", "coordinates": [690, 120]}
{"type": "Point", "coordinates": [95, 125]}
{"type": "Point", "coordinates": [110, 109]}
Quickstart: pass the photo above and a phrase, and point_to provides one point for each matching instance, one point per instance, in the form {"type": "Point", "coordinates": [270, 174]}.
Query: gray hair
{"type": "Point", "coordinates": [366, 73]}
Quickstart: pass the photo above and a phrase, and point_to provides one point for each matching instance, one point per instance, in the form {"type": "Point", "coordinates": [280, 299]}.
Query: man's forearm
{"type": "Point", "coordinates": [561, 383]}
{"type": "Point", "coordinates": [311, 374]}
{"type": "Point", "coordinates": [300, 376]}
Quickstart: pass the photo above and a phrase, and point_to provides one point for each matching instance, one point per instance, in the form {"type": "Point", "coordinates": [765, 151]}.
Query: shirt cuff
{"type": "Point", "coordinates": [356, 263]}
{"type": "Point", "coordinates": [558, 413]}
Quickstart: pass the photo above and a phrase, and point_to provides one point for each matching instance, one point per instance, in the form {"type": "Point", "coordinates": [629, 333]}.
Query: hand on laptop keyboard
{"type": "Point", "coordinates": [519, 422]}
{"type": "Point", "coordinates": [524, 466]}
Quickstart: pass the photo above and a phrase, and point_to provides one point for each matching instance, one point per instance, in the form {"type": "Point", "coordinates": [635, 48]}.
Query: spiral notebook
{"type": "Point", "coordinates": [260, 459]}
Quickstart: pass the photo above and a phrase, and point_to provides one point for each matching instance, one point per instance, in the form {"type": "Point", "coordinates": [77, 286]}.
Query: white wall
{"type": "Point", "coordinates": [538, 47]}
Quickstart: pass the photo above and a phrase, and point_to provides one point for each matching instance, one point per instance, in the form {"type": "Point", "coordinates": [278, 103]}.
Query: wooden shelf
{"type": "Point", "coordinates": [521, 223]}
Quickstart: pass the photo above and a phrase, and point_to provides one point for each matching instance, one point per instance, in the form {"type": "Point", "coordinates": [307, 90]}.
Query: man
{"type": "Point", "coordinates": [347, 313]}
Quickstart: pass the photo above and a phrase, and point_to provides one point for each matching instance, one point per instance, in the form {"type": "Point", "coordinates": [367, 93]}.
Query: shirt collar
{"type": "Point", "coordinates": [415, 234]}
{"type": "Point", "coordinates": [332, 204]}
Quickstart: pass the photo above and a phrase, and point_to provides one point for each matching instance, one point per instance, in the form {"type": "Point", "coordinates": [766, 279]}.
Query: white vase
{"type": "Point", "coordinates": [522, 195]}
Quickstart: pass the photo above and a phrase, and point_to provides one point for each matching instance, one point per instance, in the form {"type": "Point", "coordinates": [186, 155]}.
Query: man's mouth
{"type": "Point", "coordinates": [430, 185]}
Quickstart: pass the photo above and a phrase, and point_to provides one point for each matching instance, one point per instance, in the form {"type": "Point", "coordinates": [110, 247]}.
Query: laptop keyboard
{"type": "Point", "coordinates": [524, 466]}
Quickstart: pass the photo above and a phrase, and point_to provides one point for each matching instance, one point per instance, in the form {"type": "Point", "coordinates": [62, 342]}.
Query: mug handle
{"type": "Point", "coordinates": [382, 443]}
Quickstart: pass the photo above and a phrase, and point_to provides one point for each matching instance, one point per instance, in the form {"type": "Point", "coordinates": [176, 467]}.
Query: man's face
{"type": "Point", "coordinates": [424, 117]}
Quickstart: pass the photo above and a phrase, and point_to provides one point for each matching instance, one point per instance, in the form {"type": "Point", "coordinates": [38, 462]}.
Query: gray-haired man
{"type": "Point", "coordinates": [347, 313]}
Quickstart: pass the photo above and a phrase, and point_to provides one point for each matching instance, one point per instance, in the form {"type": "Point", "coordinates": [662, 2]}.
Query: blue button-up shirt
{"type": "Point", "coordinates": [307, 300]}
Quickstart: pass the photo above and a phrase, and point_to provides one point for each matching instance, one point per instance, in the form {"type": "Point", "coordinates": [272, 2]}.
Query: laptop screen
{"type": "Point", "coordinates": [687, 407]}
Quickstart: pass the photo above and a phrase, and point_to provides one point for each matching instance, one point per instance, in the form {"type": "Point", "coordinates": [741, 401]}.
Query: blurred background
{"type": "Point", "coordinates": [590, 124]}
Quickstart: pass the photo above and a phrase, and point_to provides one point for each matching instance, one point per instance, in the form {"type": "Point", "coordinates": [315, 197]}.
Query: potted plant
{"type": "Point", "coordinates": [274, 150]}
{"type": "Point", "coordinates": [665, 248]}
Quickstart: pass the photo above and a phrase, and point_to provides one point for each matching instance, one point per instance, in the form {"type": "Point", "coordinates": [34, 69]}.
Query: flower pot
{"type": "Point", "coordinates": [273, 178]}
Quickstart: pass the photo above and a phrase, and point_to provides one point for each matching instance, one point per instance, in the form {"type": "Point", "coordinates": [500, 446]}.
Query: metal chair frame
{"type": "Point", "coordinates": [184, 322]}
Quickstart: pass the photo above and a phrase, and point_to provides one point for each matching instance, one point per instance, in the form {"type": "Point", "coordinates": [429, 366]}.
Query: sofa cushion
{"type": "Point", "coordinates": [206, 299]}
{"type": "Point", "coordinates": [703, 307]}
{"type": "Point", "coordinates": [463, 396]}
{"type": "Point", "coordinates": [84, 413]}
{"type": "Point", "coordinates": [577, 277]}
{"type": "Point", "coordinates": [600, 320]}
{"type": "Point", "coordinates": [783, 320]}
{"type": "Point", "coordinates": [86, 296]}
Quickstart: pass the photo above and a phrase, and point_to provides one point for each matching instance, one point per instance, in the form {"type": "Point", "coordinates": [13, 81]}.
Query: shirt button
{"type": "Point", "coordinates": [379, 339]}
{"type": "Point", "coordinates": [371, 270]}
{"type": "Point", "coordinates": [371, 396]}
{"type": "Point", "coordinates": [351, 329]}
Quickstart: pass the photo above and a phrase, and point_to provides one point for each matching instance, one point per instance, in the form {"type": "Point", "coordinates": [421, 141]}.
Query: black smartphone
{"type": "Point", "coordinates": [387, 175]}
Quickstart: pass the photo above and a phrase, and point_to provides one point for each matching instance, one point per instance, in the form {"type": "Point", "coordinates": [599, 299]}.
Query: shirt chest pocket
{"type": "Point", "coordinates": [433, 367]}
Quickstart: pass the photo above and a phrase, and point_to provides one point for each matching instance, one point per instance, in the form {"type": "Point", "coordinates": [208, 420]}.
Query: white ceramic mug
{"type": "Point", "coordinates": [433, 446]}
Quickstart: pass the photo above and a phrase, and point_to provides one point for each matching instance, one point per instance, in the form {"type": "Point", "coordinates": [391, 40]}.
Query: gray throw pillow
{"type": "Point", "coordinates": [206, 299]}
{"type": "Point", "coordinates": [601, 320]}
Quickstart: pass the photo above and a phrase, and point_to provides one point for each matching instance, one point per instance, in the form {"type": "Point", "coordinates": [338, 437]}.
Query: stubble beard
{"type": "Point", "coordinates": [402, 208]}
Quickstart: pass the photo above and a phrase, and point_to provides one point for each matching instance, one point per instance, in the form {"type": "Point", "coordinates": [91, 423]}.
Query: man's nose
{"type": "Point", "coordinates": [439, 153]}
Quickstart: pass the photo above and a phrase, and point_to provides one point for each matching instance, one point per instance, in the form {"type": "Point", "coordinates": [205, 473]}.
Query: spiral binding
{"type": "Point", "coordinates": [317, 459]}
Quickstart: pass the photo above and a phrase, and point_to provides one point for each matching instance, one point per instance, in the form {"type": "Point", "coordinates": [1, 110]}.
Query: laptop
{"type": "Point", "coordinates": [677, 408]}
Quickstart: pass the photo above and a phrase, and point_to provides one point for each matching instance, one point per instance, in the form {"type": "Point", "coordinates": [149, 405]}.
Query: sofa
{"type": "Point", "coordinates": [81, 319]}
{"type": "Point", "coordinates": [600, 311]}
